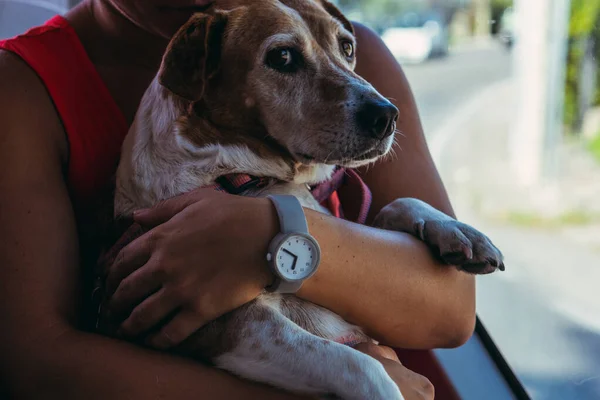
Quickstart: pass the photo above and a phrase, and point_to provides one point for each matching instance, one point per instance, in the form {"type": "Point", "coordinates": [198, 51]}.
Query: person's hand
{"type": "Point", "coordinates": [412, 385]}
{"type": "Point", "coordinates": [204, 257]}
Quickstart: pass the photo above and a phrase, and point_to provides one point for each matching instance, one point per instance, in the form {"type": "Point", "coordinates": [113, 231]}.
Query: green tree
{"type": "Point", "coordinates": [584, 33]}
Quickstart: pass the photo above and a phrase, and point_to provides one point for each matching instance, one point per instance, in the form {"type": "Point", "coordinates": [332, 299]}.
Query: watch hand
{"type": "Point", "coordinates": [293, 255]}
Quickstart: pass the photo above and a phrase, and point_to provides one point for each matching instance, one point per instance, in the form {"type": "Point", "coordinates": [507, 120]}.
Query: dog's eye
{"type": "Point", "coordinates": [348, 49]}
{"type": "Point", "coordinates": [283, 60]}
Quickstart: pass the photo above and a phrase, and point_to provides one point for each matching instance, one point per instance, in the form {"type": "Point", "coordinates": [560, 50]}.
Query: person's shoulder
{"type": "Point", "coordinates": [374, 59]}
{"type": "Point", "coordinates": [18, 81]}
{"type": "Point", "coordinates": [364, 33]}
{"type": "Point", "coordinates": [25, 104]}
{"type": "Point", "coordinates": [368, 40]}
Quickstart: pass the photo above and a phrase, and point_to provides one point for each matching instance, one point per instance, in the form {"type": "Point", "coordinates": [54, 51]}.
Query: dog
{"type": "Point", "coordinates": [267, 88]}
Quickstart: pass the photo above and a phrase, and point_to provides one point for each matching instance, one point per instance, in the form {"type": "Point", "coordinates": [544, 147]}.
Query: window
{"type": "Point", "coordinates": [16, 16]}
{"type": "Point", "coordinates": [508, 95]}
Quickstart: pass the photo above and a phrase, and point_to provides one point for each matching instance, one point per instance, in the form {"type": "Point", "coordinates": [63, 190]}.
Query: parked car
{"type": "Point", "coordinates": [506, 33]}
{"type": "Point", "coordinates": [416, 37]}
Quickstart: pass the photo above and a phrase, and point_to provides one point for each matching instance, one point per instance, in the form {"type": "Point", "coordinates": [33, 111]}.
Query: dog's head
{"type": "Point", "coordinates": [281, 69]}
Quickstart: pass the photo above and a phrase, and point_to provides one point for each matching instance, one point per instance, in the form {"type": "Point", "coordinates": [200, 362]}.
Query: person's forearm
{"type": "Point", "coordinates": [389, 284]}
{"type": "Point", "coordinates": [78, 365]}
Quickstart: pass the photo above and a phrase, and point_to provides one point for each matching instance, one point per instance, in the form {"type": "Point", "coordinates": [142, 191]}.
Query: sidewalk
{"type": "Point", "coordinates": [553, 233]}
{"type": "Point", "coordinates": [473, 43]}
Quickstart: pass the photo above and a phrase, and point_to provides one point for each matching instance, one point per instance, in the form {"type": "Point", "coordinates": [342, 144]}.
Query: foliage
{"type": "Point", "coordinates": [584, 25]}
{"type": "Point", "coordinates": [584, 15]}
{"type": "Point", "coordinates": [502, 3]}
{"type": "Point", "coordinates": [535, 220]}
{"type": "Point", "coordinates": [594, 147]}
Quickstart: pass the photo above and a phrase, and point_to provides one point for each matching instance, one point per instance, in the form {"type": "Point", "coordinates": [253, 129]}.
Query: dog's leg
{"type": "Point", "coordinates": [454, 242]}
{"type": "Point", "coordinates": [272, 349]}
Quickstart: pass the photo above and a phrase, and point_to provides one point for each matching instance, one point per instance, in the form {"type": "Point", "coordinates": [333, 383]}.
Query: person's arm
{"type": "Point", "coordinates": [390, 284]}
{"type": "Point", "coordinates": [43, 354]}
{"type": "Point", "coordinates": [386, 282]}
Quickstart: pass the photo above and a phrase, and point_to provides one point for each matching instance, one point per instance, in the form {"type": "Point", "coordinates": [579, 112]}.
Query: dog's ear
{"type": "Point", "coordinates": [337, 14]}
{"type": "Point", "coordinates": [193, 55]}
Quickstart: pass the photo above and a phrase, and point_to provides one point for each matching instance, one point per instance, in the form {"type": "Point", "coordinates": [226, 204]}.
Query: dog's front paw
{"type": "Point", "coordinates": [462, 245]}
{"type": "Point", "coordinates": [453, 242]}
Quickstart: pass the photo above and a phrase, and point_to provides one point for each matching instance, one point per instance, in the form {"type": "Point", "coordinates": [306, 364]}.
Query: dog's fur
{"type": "Point", "coordinates": [215, 108]}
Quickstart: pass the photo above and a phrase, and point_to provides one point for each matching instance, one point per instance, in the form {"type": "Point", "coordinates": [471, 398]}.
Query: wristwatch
{"type": "Point", "coordinates": [294, 255]}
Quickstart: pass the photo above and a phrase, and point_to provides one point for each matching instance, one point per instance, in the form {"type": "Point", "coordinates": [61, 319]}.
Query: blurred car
{"type": "Point", "coordinates": [416, 37]}
{"type": "Point", "coordinates": [507, 33]}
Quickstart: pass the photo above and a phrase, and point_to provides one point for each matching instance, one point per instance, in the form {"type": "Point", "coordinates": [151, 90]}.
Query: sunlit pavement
{"type": "Point", "coordinates": [442, 83]}
{"type": "Point", "coordinates": [542, 310]}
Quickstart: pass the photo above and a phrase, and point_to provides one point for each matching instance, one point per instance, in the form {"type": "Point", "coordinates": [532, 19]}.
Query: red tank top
{"type": "Point", "coordinates": [94, 125]}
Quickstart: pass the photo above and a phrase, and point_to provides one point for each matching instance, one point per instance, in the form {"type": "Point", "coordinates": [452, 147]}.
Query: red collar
{"type": "Point", "coordinates": [356, 204]}
{"type": "Point", "coordinates": [238, 183]}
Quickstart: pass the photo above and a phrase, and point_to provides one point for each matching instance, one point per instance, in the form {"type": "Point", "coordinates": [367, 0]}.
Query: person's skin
{"type": "Point", "coordinates": [412, 385]}
{"type": "Point", "coordinates": [43, 349]}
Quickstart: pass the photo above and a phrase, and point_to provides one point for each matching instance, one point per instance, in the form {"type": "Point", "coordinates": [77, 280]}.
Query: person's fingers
{"type": "Point", "coordinates": [389, 353]}
{"type": "Point", "coordinates": [130, 259]}
{"type": "Point", "coordinates": [367, 348]}
{"type": "Point", "coordinates": [182, 326]}
{"type": "Point", "coordinates": [148, 314]}
{"type": "Point", "coordinates": [376, 351]}
{"type": "Point", "coordinates": [167, 209]}
{"type": "Point", "coordinates": [133, 290]}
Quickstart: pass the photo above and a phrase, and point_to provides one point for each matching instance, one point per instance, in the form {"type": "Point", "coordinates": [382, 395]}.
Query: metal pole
{"type": "Point", "coordinates": [558, 43]}
{"type": "Point", "coordinates": [539, 64]}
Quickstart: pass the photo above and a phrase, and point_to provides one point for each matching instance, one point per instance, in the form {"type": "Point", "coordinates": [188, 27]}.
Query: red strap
{"type": "Point", "coordinates": [347, 186]}
{"type": "Point", "coordinates": [94, 124]}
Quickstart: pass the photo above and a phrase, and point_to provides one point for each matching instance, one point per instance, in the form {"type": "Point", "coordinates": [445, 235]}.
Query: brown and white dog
{"type": "Point", "coordinates": [267, 88]}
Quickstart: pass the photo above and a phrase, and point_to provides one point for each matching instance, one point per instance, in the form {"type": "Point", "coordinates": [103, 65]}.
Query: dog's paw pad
{"type": "Point", "coordinates": [463, 246]}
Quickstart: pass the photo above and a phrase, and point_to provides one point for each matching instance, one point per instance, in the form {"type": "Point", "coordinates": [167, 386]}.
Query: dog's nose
{"type": "Point", "coordinates": [377, 118]}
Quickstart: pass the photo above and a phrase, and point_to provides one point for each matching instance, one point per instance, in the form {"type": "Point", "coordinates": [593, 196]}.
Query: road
{"type": "Point", "coordinates": [441, 84]}
{"type": "Point", "coordinates": [555, 355]}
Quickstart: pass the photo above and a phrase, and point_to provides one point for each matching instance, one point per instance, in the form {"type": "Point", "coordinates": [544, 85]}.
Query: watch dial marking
{"type": "Point", "coordinates": [295, 259]}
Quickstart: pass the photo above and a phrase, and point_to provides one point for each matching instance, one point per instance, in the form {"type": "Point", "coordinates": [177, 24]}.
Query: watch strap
{"type": "Point", "coordinates": [290, 213]}
{"type": "Point", "coordinates": [291, 220]}
{"type": "Point", "coordinates": [281, 286]}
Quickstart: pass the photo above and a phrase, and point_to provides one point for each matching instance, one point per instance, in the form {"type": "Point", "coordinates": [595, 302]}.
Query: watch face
{"type": "Point", "coordinates": [296, 258]}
